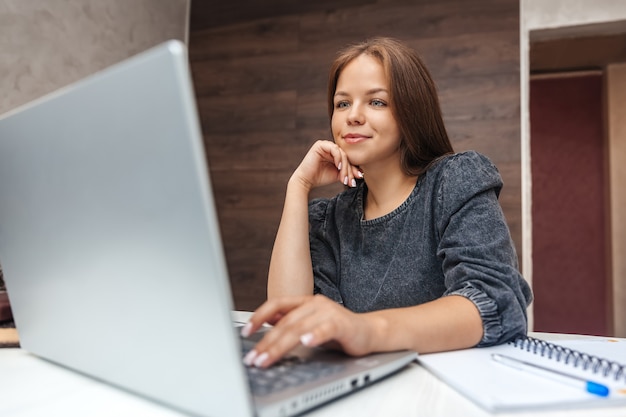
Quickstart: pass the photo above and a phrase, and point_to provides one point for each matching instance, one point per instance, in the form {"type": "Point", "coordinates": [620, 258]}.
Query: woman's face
{"type": "Point", "coordinates": [362, 123]}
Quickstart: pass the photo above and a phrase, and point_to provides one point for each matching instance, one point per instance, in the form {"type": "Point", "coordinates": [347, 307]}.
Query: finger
{"type": "Point", "coordinates": [271, 312]}
{"type": "Point", "coordinates": [318, 335]}
{"type": "Point", "coordinates": [328, 155]}
{"type": "Point", "coordinates": [327, 323]}
{"type": "Point", "coordinates": [292, 330]}
{"type": "Point", "coordinates": [348, 173]}
{"type": "Point", "coordinates": [312, 328]}
{"type": "Point", "coordinates": [344, 167]}
{"type": "Point", "coordinates": [331, 152]}
{"type": "Point", "coordinates": [336, 326]}
{"type": "Point", "coordinates": [278, 317]}
{"type": "Point", "coordinates": [280, 340]}
{"type": "Point", "coordinates": [353, 174]}
{"type": "Point", "coordinates": [357, 174]}
{"type": "Point", "coordinates": [272, 348]}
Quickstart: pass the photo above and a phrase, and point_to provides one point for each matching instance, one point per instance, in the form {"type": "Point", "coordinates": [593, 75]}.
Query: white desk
{"type": "Point", "coordinates": [31, 387]}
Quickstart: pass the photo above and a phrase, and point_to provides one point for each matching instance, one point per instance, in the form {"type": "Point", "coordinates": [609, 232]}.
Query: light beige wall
{"type": "Point", "coordinates": [568, 18]}
{"type": "Point", "coordinates": [46, 44]}
{"type": "Point", "coordinates": [552, 14]}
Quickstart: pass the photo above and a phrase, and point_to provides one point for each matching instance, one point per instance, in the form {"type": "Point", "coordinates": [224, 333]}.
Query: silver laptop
{"type": "Point", "coordinates": [111, 252]}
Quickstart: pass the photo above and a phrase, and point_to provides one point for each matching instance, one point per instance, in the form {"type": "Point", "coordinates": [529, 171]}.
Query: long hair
{"type": "Point", "coordinates": [413, 98]}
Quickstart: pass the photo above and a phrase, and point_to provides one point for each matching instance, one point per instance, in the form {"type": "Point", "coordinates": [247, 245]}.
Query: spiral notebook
{"type": "Point", "coordinates": [497, 388]}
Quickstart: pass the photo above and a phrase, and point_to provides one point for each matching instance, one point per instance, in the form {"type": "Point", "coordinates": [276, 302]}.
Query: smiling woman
{"type": "Point", "coordinates": [408, 83]}
{"type": "Point", "coordinates": [415, 253]}
{"type": "Point", "coordinates": [363, 123]}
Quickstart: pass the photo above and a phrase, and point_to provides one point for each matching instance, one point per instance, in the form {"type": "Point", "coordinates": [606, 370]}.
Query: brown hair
{"type": "Point", "coordinates": [413, 100]}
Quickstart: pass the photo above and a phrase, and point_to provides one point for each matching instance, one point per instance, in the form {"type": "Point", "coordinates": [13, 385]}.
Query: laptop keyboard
{"type": "Point", "coordinates": [288, 372]}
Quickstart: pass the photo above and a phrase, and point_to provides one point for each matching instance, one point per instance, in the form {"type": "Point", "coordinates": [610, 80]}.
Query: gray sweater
{"type": "Point", "coordinates": [449, 237]}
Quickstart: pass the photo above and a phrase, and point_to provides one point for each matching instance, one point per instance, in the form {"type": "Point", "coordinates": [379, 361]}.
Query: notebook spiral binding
{"type": "Point", "coordinates": [572, 357]}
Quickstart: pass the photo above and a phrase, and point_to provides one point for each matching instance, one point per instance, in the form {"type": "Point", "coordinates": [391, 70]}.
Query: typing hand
{"type": "Point", "coordinates": [308, 320]}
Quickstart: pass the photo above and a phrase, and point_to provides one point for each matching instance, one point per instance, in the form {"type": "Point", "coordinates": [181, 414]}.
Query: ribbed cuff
{"type": "Point", "coordinates": [488, 310]}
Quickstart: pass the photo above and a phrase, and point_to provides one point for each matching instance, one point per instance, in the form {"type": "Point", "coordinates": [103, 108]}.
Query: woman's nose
{"type": "Point", "coordinates": [356, 115]}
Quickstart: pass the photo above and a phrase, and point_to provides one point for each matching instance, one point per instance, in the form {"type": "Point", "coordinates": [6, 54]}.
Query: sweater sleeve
{"type": "Point", "coordinates": [478, 257]}
{"type": "Point", "coordinates": [323, 255]}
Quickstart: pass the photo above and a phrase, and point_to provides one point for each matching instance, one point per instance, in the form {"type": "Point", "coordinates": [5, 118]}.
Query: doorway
{"type": "Point", "coordinates": [570, 203]}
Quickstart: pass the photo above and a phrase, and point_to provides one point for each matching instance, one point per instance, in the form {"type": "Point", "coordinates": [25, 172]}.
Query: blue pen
{"type": "Point", "coordinates": [589, 386]}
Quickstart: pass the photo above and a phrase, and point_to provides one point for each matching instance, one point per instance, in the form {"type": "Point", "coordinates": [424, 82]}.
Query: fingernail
{"type": "Point", "coordinates": [353, 183]}
{"type": "Point", "coordinates": [306, 339]}
{"type": "Point", "coordinates": [258, 362]}
{"type": "Point", "coordinates": [360, 174]}
{"type": "Point", "coordinates": [245, 330]}
{"type": "Point", "coordinates": [345, 180]}
{"type": "Point", "coordinates": [249, 358]}
{"type": "Point", "coordinates": [339, 166]}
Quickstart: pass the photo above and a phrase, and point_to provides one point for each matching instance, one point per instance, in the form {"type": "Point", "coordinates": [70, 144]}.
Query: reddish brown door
{"type": "Point", "coordinates": [569, 204]}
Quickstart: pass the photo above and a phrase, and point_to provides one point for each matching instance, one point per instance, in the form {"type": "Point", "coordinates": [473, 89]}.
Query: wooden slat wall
{"type": "Point", "coordinates": [261, 84]}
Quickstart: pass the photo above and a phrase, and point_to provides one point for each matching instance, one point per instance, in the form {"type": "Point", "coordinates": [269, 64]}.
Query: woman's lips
{"type": "Point", "coordinates": [354, 138]}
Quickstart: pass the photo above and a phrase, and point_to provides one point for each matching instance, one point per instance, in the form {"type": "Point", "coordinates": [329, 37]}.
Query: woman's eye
{"type": "Point", "coordinates": [378, 103]}
{"type": "Point", "coordinates": [341, 104]}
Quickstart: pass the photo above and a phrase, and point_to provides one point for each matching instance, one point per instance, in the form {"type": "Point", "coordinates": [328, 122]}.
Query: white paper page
{"type": "Point", "coordinates": [498, 387]}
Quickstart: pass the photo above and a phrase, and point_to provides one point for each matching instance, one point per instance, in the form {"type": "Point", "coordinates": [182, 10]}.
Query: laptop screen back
{"type": "Point", "coordinates": [109, 239]}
